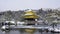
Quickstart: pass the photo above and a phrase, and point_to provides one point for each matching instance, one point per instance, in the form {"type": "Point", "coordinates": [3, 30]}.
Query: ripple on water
{"type": "Point", "coordinates": [18, 32]}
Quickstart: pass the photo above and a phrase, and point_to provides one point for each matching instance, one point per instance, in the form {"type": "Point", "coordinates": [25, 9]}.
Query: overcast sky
{"type": "Point", "coordinates": [28, 4]}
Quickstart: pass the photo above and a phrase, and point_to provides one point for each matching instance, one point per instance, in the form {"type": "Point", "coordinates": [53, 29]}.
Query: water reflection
{"type": "Point", "coordinates": [2, 32]}
{"type": "Point", "coordinates": [21, 31]}
{"type": "Point", "coordinates": [36, 32]}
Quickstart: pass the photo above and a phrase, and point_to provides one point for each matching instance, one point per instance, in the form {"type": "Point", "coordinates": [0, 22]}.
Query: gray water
{"type": "Point", "coordinates": [18, 32]}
